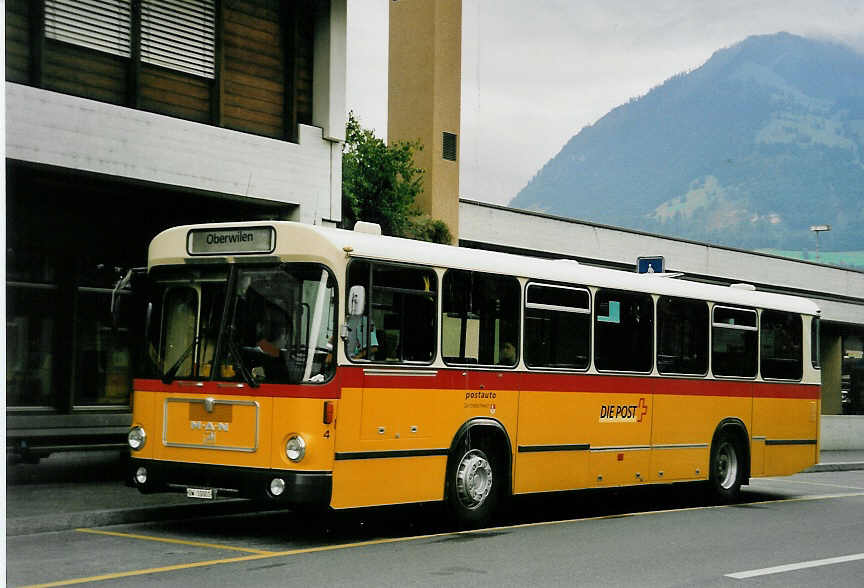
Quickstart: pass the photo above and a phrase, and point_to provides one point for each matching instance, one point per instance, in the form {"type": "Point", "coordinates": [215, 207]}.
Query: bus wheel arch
{"type": "Point", "coordinates": [729, 462]}
{"type": "Point", "coordinates": [478, 475]}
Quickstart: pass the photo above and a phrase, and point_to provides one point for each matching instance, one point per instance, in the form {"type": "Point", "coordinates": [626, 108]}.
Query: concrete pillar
{"type": "Point", "coordinates": [832, 367]}
{"type": "Point", "coordinates": [425, 77]}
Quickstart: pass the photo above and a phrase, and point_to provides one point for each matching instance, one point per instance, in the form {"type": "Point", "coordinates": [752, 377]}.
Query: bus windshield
{"type": "Point", "coordinates": [277, 325]}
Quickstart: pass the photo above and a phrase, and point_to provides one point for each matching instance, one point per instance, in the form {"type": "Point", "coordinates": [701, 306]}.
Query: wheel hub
{"type": "Point", "coordinates": [727, 466]}
{"type": "Point", "coordinates": [473, 479]}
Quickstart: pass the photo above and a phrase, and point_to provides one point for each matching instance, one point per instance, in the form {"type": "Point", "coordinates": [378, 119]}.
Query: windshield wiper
{"type": "Point", "coordinates": [168, 376]}
{"type": "Point", "coordinates": [234, 350]}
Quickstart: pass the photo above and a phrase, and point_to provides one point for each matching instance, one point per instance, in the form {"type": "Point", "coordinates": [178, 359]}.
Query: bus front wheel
{"type": "Point", "coordinates": [474, 482]}
{"type": "Point", "coordinates": [726, 469]}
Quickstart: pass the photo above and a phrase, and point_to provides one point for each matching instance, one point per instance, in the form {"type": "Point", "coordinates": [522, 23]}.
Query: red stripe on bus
{"type": "Point", "coordinates": [465, 379]}
{"type": "Point", "coordinates": [329, 391]}
{"type": "Point", "coordinates": [777, 390]}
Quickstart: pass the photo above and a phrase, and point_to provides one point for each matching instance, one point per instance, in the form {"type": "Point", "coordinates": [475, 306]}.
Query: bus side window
{"type": "Point", "coordinates": [398, 324]}
{"type": "Point", "coordinates": [623, 331]}
{"type": "Point", "coordinates": [781, 348]}
{"type": "Point", "coordinates": [734, 342]}
{"type": "Point", "coordinates": [480, 318]}
{"type": "Point", "coordinates": [682, 336]}
{"type": "Point", "coordinates": [557, 326]}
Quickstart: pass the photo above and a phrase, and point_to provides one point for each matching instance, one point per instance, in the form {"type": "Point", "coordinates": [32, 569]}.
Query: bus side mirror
{"type": "Point", "coordinates": [124, 287]}
{"type": "Point", "coordinates": [356, 300]}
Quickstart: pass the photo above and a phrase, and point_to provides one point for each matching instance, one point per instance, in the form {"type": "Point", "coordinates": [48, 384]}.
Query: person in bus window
{"type": "Point", "coordinates": [355, 343]}
{"type": "Point", "coordinates": [508, 354]}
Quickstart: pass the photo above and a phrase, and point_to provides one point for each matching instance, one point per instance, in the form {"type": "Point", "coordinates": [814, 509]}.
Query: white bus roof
{"type": "Point", "coordinates": [296, 239]}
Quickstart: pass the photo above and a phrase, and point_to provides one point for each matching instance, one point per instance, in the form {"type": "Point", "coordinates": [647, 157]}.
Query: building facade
{"type": "Point", "coordinates": [125, 117]}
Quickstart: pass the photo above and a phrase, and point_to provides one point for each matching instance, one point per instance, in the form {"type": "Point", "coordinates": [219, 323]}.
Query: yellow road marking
{"type": "Point", "coordinates": [199, 564]}
{"type": "Point", "coordinates": [274, 554]}
{"type": "Point", "coordinates": [178, 541]}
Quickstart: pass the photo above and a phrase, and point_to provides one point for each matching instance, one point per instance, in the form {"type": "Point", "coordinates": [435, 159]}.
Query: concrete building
{"type": "Point", "coordinates": [424, 98]}
{"type": "Point", "coordinates": [122, 119]}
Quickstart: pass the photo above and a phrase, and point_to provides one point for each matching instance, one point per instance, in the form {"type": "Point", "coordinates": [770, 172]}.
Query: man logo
{"type": "Point", "coordinates": [209, 403]}
{"type": "Point", "coordinates": [208, 426]}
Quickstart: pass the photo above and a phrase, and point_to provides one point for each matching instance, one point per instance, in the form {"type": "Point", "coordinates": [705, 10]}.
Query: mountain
{"type": "Point", "coordinates": [749, 150]}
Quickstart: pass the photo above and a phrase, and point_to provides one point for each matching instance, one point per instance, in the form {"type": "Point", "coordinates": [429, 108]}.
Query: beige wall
{"type": "Point", "coordinates": [425, 94]}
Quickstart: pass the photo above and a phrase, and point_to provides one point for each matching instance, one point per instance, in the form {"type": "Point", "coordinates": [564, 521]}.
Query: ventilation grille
{"type": "Point", "coordinates": [102, 25]}
{"type": "Point", "coordinates": [449, 146]}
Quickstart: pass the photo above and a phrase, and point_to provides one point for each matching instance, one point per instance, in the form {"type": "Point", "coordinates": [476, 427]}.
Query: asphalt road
{"type": "Point", "coordinates": [813, 524]}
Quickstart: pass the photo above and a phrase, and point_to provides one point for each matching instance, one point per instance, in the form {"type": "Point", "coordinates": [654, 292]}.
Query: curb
{"type": "Point", "coordinates": [838, 466]}
{"type": "Point", "coordinates": [119, 516]}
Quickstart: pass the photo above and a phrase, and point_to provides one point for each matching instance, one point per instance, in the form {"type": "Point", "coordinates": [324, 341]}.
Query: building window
{"type": "Point", "coordinates": [30, 344]}
{"type": "Point", "coordinates": [733, 342]}
{"type": "Point", "coordinates": [179, 35]}
{"type": "Point", "coordinates": [176, 34]}
{"type": "Point", "coordinates": [682, 336]}
{"type": "Point", "coordinates": [102, 25]}
{"type": "Point", "coordinates": [557, 326]}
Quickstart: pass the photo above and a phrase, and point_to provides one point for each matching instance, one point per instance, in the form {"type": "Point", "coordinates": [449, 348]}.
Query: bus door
{"type": "Point", "coordinates": [622, 397]}
{"type": "Point", "coordinates": [391, 442]}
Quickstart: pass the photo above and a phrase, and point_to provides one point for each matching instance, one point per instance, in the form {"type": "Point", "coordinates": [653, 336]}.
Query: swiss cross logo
{"type": "Point", "coordinates": [643, 409]}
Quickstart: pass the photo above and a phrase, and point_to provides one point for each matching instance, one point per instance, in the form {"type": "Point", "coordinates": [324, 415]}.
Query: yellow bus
{"type": "Point", "coordinates": [325, 367]}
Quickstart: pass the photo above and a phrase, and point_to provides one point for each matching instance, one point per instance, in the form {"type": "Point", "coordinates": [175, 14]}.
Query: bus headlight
{"type": "Point", "coordinates": [295, 448]}
{"type": "Point", "coordinates": [137, 438]}
{"type": "Point", "coordinates": [277, 486]}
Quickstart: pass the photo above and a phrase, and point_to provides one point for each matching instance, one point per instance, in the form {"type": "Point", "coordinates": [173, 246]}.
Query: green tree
{"type": "Point", "coordinates": [380, 183]}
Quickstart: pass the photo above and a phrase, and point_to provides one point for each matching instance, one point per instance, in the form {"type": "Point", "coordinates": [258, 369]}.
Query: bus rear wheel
{"type": "Point", "coordinates": [474, 482]}
{"type": "Point", "coordinates": [726, 469]}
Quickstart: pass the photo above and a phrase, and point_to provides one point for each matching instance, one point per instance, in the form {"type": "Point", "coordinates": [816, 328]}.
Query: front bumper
{"type": "Point", "coordinates": [301, 487]}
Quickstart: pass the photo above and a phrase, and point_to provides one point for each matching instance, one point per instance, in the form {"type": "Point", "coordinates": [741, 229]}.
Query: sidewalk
{"type": "Point", "coordinates": [85, 489]}
{"type": "Point", "coordinates": [839, 461]}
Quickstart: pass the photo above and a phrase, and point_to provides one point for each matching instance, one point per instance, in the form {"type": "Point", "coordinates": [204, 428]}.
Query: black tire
{"type": "Point", "coordinates": [727, 469]}
{"type": "Point", "coordinates": [475, 483]}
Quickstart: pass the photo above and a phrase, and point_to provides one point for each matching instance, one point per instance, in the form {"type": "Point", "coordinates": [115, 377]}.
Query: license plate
{"type": "Point", "coordinates": [206, 493]}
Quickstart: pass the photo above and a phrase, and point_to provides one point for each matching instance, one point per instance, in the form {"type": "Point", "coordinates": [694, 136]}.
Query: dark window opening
{"type": "Point", "coordinates": [557, 327]}
{"type": "Point", "coordinates": [623, 331]}
{"type": "Point", "coordinates": [480, 319]}
{"type": "Point", "coordinates": [682, 336]}
{"type": "Point", "coordinates": [734, 342]}
{"type": "Point", "coordinates": [398, 321]}
{"type": "Point", "coordinates": [781, 345]}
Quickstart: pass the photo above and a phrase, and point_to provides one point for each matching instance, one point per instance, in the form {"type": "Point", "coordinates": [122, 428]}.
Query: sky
{"type": "Point", "coordinates": [535, 73]}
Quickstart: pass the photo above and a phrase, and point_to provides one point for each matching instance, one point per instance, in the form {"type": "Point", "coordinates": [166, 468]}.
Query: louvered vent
{"type": "Point", "coordinates": [102, 25]}
{"type": "Point", "coordinates": [450, 146]}
{"type": "Point", "coordinates": [180, 35]}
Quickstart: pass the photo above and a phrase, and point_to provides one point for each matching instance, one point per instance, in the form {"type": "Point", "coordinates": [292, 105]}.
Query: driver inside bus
{"type": "Point", "coordinates": [355, 343]}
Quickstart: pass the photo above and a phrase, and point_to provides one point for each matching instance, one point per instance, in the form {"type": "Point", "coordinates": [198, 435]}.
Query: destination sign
{"type": "Point", "coordinates": [231, 240]}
